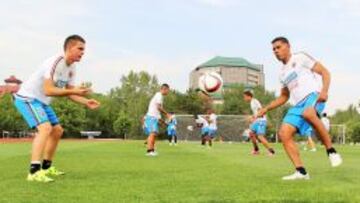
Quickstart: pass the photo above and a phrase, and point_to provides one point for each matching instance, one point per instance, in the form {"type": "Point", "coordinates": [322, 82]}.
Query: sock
{"type": "Point", "coordinates": [170, 139]}
{"type": "Point", "coordinates": [272, 151]}
{"type": "Point", "coordinates": [330, 151]}
{"type": "Point", "coordinates": [46, 164]}
{"type": "Point", "coordinates": [35, 166]}
{"type": "Point", "coordinates": [150, 150]}
{"type": "Point", "coordinates": [301, 170]}
{"type": "Point", "coordinates": [256, 148]}
{"type": "Point", "coordinates": [175, 139]}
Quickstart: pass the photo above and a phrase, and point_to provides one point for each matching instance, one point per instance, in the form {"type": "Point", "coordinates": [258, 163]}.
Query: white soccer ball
{"type": "Point", "coordinates": [210, 82]}
{"type": "Point", "coordinates": [190, 128]}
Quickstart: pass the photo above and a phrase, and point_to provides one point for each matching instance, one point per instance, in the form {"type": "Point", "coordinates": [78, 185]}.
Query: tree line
{"type": "Point", "coordinates": [123, 107]}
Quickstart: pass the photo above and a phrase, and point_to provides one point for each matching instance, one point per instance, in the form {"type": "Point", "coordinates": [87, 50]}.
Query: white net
{"type": "Point", "coordinates": [230, 127]}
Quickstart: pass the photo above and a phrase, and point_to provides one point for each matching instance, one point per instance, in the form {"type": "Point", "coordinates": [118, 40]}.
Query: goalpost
{"type": "Point", "coordinates": [338, 133]}
{"type": "Point", "coordinates": [230, 127]}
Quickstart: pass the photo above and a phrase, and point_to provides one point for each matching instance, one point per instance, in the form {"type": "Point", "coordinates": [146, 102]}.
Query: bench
{"type": "Point", "coordinates": [90, 134]}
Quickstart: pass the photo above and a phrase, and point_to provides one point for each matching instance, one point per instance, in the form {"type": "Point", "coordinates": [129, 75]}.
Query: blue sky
{"type": "Point", "coordinates": [169, 38]}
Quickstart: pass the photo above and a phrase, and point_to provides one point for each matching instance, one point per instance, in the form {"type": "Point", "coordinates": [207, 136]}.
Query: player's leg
{"type": "Point", "coordinates": [152, 127]}
{"type": "Point", "coordinates": [254, 142]}
{"type": "Point", "coordinates": [175, 138]}
{"type": "Point", "coordinates": [286, 134]}
{"type": "Point", "coordinates": [35, 116]}
{"type": "Point", "coordinates": [310, 115]}
{"type": "Point", "coordinates": [266, 144]}
{"type": "Point", "coordinates": [311, 144]}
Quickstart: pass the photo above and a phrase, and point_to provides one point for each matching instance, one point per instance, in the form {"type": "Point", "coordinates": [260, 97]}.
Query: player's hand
{"type": "Point", "coordinates": [323, 96]}
{"type": "Point", "coordinates": [92, 104]}
{"type": "Point", "coordinates": [82, 91]}
{"type": "Point", "coordinates": [262, 112]}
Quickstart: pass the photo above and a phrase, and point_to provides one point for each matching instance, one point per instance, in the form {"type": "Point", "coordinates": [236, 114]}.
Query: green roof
{"type": "Point", "coordinates": [229, 62]}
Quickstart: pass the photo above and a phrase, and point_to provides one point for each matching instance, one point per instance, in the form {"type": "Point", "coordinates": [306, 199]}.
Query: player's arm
{"type": "Point", "coordinates": [89, 103]}
{"type": "Point", "coordinates": [282, 99]}
{"type": "Point", "coordinates": [162, 122]}
{"type": "Point", "coordinates": [162, 110]}
{"type": "Point", "coordinates": [326, 78]}
{"type": "Point", "coordinates": [52, 91]}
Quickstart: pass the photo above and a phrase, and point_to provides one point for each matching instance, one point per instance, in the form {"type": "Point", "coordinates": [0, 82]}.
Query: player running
{"type": "Point", "coordinates": [171, 129]}
{"type": "Point", "coordinates": [153, 117]}
{"type": "Point", "coordinates": [212, 120]}
{"type": "Point", "coordinates": [54, 78]}
{"type": "Point", "coordinates": [301, 77]}
{"type": "Point", "coordinates": [258, 124]}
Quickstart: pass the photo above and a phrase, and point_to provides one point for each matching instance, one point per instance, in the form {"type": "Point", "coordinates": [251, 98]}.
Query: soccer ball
{"type": "Point", "coordinates": [190, 128]}
{"type": "Point", "coordinates": [210, 82]}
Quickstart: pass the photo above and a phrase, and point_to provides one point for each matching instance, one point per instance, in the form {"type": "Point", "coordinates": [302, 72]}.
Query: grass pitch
{"type": "Point", "coordinates": [119, 171]}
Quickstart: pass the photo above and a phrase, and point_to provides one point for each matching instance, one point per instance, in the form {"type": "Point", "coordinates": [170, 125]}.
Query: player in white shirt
{"type": "Point", "coordinates": [153, 116]}
{"type": "Point", "coordinates": [203, 123]}
{"type": "Point", "coordinates": [325, 120]}
{"type": "Point", "coordinates": [55, 77]}
{"type": "Point", "coordinates": [258, 124]}
{"type": "Point", "coordinates": [307, 82]}
{"type": "Point", "coordinates": [212, 119]}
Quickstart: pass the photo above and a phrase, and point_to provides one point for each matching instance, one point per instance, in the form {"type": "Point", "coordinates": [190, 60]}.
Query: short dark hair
{"type": "Point", "coordinates": [281, 39]}
{"type": "Point", "coordinates": [249, 93]}
{"type": "Point", "coordinates": [324, 114]}
{"type": "Point", "coordinates": [71, 39]}
{"type": "Point", "coordinates": [165, 85]}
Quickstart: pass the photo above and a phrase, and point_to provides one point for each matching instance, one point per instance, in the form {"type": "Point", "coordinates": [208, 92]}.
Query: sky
{"type": "Point", "coordinates": [169, 38]}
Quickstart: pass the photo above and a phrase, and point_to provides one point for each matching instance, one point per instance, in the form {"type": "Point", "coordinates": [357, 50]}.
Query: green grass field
{"type": "Point", "coordinates": [118, 171]}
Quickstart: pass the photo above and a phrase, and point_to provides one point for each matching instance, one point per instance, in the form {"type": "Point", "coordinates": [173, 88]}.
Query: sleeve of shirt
{"type": "Point", "coordinates": [158, 98]}
{"type": "Point", "coordinates": [307, 61]}
{"type": "Point", "coordinates": [50, 67]}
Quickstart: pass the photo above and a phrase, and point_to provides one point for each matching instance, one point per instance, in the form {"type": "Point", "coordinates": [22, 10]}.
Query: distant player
{"type": "Point", "coordinates": [258, 124]}
{"type": "Point", "coordinates": [204, 125]}
{"type": "Point", "coordinates": [212, 119]}
{"type": "Point", "coordinates": [325, 120]}
{"type": "Point", "coordinates": [310, 142]}
{"type": "Point", "coordinates": [171, 129]}
{"type": "Point", "coordinates": [301, 77]}
{"type": "Point", "coordinates": [54, 78]}
{"type": "Point", "coordinates": [153, 117]}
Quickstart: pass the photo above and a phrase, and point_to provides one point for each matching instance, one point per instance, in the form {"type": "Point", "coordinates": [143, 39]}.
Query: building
{"type": "Point", "coordinates": [12, 85]}
{"type": "Point", "coordinates": [234, 71]}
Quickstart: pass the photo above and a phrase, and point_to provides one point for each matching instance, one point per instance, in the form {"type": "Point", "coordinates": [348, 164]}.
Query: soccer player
{"type": "Point", "coordinates": [204, 124]}
{"type": "Point", "coordinates": [171, 129]}
{"type": "Point", "coordinates": [54, 78]}
{"type": "Point", "coordinates": [325, 120]}
{"type": "Point", "coordinates": [153, 117]}
{"type": "Point", "coordinates": [300, 79]}
{"type": "Point", "coordinates": [258, 124]}
{"type": "Point", "coordinates": [212, 119]}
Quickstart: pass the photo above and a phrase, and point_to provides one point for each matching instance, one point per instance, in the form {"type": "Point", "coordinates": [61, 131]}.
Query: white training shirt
{"type": "Point", "coordinates": [255, 106]}
{"type": "Point", "coordinates": [298, 77]}
{"type": "Point", "coordinates": [203, 121]}
{"type": "Point", "coordinates": [213, 122]}
{"type": "Point", "coordinates": [326, 123]}
{"type": "Point", "coordinates": [153, 106]}
{"type": "Point", "coordinates": [54, 68]}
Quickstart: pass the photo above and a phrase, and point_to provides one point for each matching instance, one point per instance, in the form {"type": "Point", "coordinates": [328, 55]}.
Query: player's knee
{"type": "Point", "coordinates": [45, 129]}
{"type": "Point", "coordinates": [58, 131]}
{"type": "Point", "coordinates": [284, 135]}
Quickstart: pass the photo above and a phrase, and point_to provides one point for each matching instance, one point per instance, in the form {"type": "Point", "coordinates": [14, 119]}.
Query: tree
{"type": "Point", "coordinates": [10, 118]}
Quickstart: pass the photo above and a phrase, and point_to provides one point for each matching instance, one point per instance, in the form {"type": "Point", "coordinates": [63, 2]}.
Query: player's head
{"type": "Point", "coordinates": [281, 48]}
{"type": "Point", "coordinates": [74, 47]}
{"type": "Point", "coordinates": [324, 114]}
{"type": "Point", "coordinates": [209, 111]}
{"type": "Point", "coordinates": [164, 89]}
{"type": "Point", "coordinates": [248, 95]}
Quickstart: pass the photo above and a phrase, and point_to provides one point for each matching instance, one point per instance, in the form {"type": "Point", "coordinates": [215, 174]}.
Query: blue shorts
{"type": "Point", "coordinates": [204, 131]}
{"type": "Point", "coordinates": [309, 132]}
{"type": "Point", "coordinates": [259, 127]}
{"type": "Point", "coordinates": [212, 132]}
{"type": "Point", "coordinates": [35, 112]}
{"type": "Point", "coordinates": [171, 132]}
{"type": "Point", "coordinates": [294, 115]}
{"type": "Point", "coordinates": [151, 125]}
